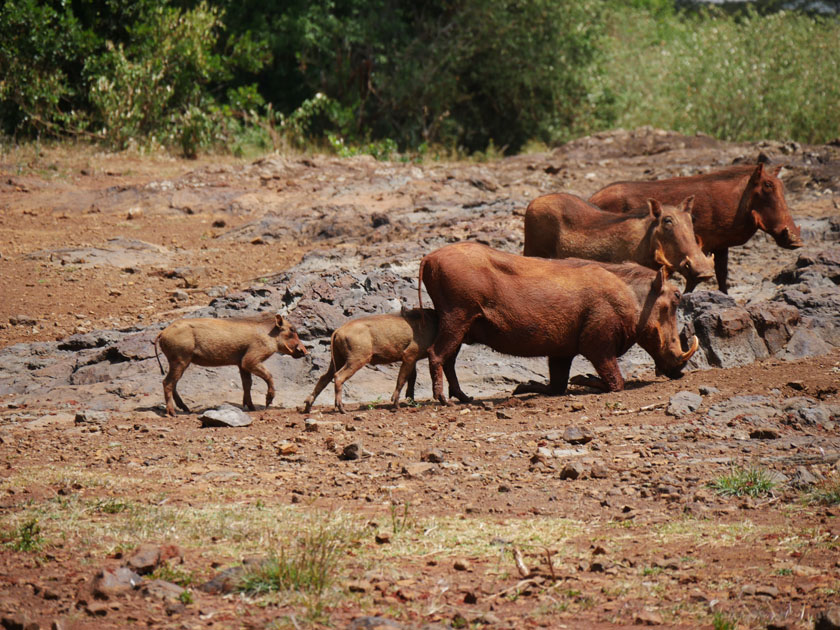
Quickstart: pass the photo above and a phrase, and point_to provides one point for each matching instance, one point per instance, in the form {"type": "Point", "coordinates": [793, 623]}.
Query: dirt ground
{"type": "Point", "coordinates": [622, 530]}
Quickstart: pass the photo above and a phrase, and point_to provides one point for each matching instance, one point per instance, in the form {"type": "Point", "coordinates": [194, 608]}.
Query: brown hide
{"type": "Point", "coordinates": [729, 206]}
{"type": "Point", "coordinates": [563, 225]}
{"type": "Point", "coordinates": [243, 341]}
{"type": "Point", "coordinates": [539, 307]}
{"type": "Point", "coordinates": [375, 340]}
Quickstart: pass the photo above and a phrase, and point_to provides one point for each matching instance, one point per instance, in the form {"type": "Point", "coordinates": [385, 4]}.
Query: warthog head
{"type": "Point", "coordinates": [658, 333]}
{"type": "Point", "coordinates": [764, 197]}
{"type": "Point", "coordinates": [677, 247]}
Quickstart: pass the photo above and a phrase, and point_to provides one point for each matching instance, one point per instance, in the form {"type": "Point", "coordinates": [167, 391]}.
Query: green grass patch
{"type": "Point", "coordinates": [27, 537]}
{"type": "Point", "coordinates": [752, 482]}
{"type": "Point", "coordinates": [826, 493]}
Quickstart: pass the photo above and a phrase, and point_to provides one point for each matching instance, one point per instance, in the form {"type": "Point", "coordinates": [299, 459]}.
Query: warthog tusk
{"type": "Point", "coordinates": [695, 343]}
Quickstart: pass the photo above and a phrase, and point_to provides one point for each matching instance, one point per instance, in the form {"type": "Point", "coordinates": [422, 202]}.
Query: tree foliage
{"type": "Point", "coordinates": [464, 74]}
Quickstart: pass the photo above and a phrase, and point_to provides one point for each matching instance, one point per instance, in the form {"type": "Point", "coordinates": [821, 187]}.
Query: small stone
{"type": "Point", "coordinates": [461, 565]}
{"type": "Point", "coordinates": [110, 582]}
{"type": "Point", "coordinates": [571, 470]}
{"type": "Point", "coordinates": [92, 417]}
{"type": "Point", "coordinates": [578, 406]}
{"type": "Point", "coordinates": [577, 435]}
{"type": "Point", "coordinates": [134, 213]}
{"type": "Point", "coordinates": [797, 385]}
{"type": "Point", "coordinates": [287, 448]}
{"type": "Point", "coordinates": [683, 403]}
{"type": "Point", "coordinates": [179, 295]}
{"type": "Point", "coordinates": [374, 623]}
{"type": "Point", "coordinates": [310, 425]}
{"type": "Point", "coordinates": [802, 478]}
{"type": "Point", "coordinates": [97, 609]}
{"type": "Point", "coordinates": [359, 586]}
{"type": "Point", "coordinates": [382, 538]}
{"type": "Point", "coordinates": [22, 320]}
{"type": "Point", "coordinates": [19, 621]}
{"type": "Point", "coordinates": [649, 618]}
{"type": "Point", "coordinates": [828, 619]}
{"type": "Point", "coordinates": [162, 589]}
{"type": "Point", "coordinates": [225, 416]}
{"type": "Point", "coordinates": [145, 559]}
{"type": "Point", "coordinates": [418, 469]}
{"type": "Point", "coordinates": [353, 451]}
{"type": "Point", "coordinates": [764, 433]}
{"type": "Point", "coordinates": [434, 456]}
{"type": "Point", "coordinates": [503, 415]}
{"type": "Point", "coordinates": [708, 390]}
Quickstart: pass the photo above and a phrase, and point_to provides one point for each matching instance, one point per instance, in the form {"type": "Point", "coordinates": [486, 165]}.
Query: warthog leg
{"type": "Point", "coordinates": [353, 365]}
{"type": "Point", "coordinates": [558, 378]}
{"type": "Point", "coordinates": [325, 379]}
{"type": "Point", "coordinates": [721, 268]}
{"type": "Point", "coordinates": [412, 379]}
{"type": "Point", "coordinates": [170, 385]}
{"type": "Point", "coordinates": [253, 363]}
{"type": "Point", "coordinates": [407, 369]}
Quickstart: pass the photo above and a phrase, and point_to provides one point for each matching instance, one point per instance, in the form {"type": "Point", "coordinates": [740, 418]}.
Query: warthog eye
{"type": "Point", "coordinates": [677, 295]}
{"type": "Point", "coordinates": [668, 221]}
{"type": "Point", "coordinates": [768, 185]}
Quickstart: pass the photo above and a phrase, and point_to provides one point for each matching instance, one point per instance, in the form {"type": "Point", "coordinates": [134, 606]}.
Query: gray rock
{"type": "Point", "coordinates": [92, 417]}
{"type": "Point", "coordinates": [434, 456]}
{"type": "Point", "coordinates": [22, 320]}
{"type": "Point", "coordinates": [775, 323]}
{"type": "Point", "coordinates": [764, 433]}
{"type": "Point", "coordinates": [725, 330]}
{"type": "Point", "coordinates": [683, 403]}
{"type": "Point", "coordinates": [708, 390]}
{"type": "Point", "coordinates": [162, 589]}
{"type": "Point", "coordinates": [225, 416]}
{"type": "Point", "coordinates": [577, 435]}
{"type": "Point", "coordinates": [110, 582]}
{"type": "Point", "coordinates": [805, 342]}
{"type": "Point", "coordinates": [828, 619]}
{"type": "Point", "coordinates": [571, 470]}
{"type": "Point", "coordinates": [374, 623]}
{"type": "Point", "coordinates": [354, 451]}
{"type": "Point", "coordinates": [759, 407]}
{"type": "Point", "coordinates": [419, 469]}
{"type": "Point", "coordinates": [802, 478]}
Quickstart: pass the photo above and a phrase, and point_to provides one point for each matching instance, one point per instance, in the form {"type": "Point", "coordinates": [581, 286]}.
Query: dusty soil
{"type": "Point", "coordinates": [630, 535]}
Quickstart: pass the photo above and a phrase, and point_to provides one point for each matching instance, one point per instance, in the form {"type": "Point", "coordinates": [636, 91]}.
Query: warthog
{"type": "Point", "coordinates": [375, 340]}
{"type": "Point", "coordinates": [242, 341]}
{"type": "Point", "coordinates": [555, 308]}
{"type": "Point", "coordinates": [566, 226]}
{"type": "Point", "coordinates": [729, 206]}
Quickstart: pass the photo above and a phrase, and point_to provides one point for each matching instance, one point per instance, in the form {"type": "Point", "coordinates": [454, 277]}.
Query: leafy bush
{"type": "Point", "coordinates": [736, 77]}
{"type": "Point", "coordinates": [753, 482]}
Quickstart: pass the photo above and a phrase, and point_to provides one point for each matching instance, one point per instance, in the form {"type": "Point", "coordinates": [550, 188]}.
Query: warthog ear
{"type": "Point", "coordinates": [688, 204]}
{"type": "Point", "coordinates": [661, 259]}
{"type": "Point", "coordinates": [777, 170]}
{"type": "Point", "coordinates": [655, 208]}
{"type": "Point", "coordinates": [661, 279]}
{"type": "Point", "coordinates": [279, 321]}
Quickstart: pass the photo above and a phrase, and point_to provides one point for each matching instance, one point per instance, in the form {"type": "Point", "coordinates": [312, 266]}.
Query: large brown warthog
{"type": "Point", "coordinates": [566, 226]}
{"type": "Point", "coordinates": [378, 339]}
{"type": "Point", "coordinates": [242, 341]}
{"type": "Point", "coordinates": [555, 308]}
{"type": "Point", "coordinates": [729, 206]}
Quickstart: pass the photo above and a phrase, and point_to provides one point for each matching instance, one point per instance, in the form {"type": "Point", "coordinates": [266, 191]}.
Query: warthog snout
{"type": "Point", "coordinates": [789, 238]}
{"type": "Point", "coordinates": [700, 268]}
{"type": "Point", "coordinates": [675, 371]}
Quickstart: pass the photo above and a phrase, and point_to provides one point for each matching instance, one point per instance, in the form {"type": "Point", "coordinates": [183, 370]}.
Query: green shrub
{"type": "Point", "coordinates": [753, 482]}
{"type": "Point", "coordinates": [736, 77]}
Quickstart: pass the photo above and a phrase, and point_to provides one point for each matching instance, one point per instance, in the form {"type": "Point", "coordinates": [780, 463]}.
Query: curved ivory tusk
{"type": "Point", "coordinates": [695, 343]}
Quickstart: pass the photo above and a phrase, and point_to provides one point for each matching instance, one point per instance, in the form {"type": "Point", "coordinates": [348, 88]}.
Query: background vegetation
{"type": "Point", "coordinates": [386, 75]}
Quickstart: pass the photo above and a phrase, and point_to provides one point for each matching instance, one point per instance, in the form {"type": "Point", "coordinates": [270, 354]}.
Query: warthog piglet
{"type": "Point", "coordinates": [378, 339]}
{"type": "Point", "coordinates": [243, 341]}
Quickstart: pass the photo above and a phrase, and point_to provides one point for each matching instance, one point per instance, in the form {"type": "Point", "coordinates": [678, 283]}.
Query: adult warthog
{"type": "Point", "coordinates": [555, 308]}
{"type": "Point", "coordinates": [729, 207]}
{"type": "Point", "coordinates": [566, 226]}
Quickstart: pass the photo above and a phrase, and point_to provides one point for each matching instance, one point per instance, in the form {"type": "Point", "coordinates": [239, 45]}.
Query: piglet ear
{"type": "Point", "coordinates": [279, 321]}
{"type": "Point", "coordinates": [688, 204]}
{"type": "Point", "coordinates": [777, 170]}
{"type": "Point", "coordinates": [655, 208]}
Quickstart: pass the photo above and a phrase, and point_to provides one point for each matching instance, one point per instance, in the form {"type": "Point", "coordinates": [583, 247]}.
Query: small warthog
{"type": "Point", "coordinates": [242, 341]}
{"type": "Point", "coordinates": [565, 226]}
{"type": "Point", "coordinates": [378, 339]}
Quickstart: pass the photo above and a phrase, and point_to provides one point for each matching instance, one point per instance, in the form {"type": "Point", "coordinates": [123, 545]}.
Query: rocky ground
{"type": "Point", "coordinates": [587, 511]}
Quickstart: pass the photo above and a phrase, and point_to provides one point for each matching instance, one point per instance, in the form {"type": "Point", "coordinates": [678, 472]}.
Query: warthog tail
{"type": "Point", "coordinates": [155, 344]}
